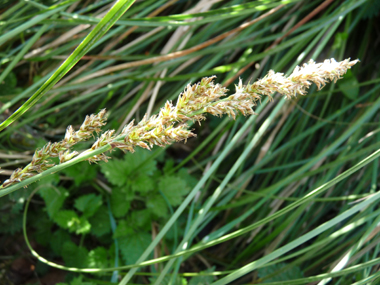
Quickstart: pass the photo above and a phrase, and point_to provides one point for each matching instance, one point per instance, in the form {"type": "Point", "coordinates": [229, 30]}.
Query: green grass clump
{"type": "Point", "coordinates": [286, 196]}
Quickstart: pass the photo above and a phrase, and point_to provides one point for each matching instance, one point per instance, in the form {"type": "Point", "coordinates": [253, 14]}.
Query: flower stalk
{"type": "Point", "coordinates": [170, 125]}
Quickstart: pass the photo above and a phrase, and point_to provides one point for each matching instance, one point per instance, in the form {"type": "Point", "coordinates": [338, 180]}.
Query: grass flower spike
{"type": "Point", "coordinates": [40, 161]}
{"type": "Point", "coordinates": [170, 125]}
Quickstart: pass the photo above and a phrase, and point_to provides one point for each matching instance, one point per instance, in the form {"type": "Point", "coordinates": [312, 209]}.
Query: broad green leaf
{"type": "Point", "coordinates": [88, 204]}
{"type": "Point", "coordinates": [74, 256]}
{"type": "Point", "coordinates": [81, 172]}
{"type": "Point", "coordinates": [98, 258]}
{"type": "Point", "coordinates": [123, 229]}
{"type": "Point", "coordinates": [157, 205]}
{"type": "Point", "coordinates": [68, 219]}
{"type": "Point", "coordinates": [143, 184]}
{"type": "Point", "coordinates": [190, 180]}
{"type": "Point", "coordinates": [100, 222]}
{"type": "Point", "coordinates": [116, 171]}
{"type": "Point", "coordinates": [174, 188]}
{"type": "Point", "coordinates": [133, 246]}
{"type": "Point", "coordinates": [54, 198]}
{"type": "Point", "coordinates": [83, 227]}
{"type": "Point", "coordinates": [141, 218]}
{"type": "Point", "coordinates": [59, 237]}
{"type": "Point", "coordinates": [140, 161]}
{"type": "Point", "coordinates": [169, 165]}
{"type": "Point", "coordinates": [52, 179]}
{"type": "Point", "coordinates": [120, 202]}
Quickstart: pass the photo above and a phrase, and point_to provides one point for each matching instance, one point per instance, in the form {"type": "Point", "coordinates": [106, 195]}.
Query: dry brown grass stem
{"type": "Point", "coordinates": [177, 54]}
{"type": "Point", "coordinates": [111, 45]}
{"type": "Point", "coordinates": [277, 41]}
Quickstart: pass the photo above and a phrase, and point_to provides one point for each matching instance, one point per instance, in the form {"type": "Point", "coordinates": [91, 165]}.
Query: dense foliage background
{"type": "Point", "coordinates": [250, 220]}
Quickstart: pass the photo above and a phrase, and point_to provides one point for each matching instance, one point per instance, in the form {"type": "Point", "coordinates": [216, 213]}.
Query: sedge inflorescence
{"type": "Point", "coordinates": [171, 124]}
{"type": "Point", "coordinates": [40, 161]}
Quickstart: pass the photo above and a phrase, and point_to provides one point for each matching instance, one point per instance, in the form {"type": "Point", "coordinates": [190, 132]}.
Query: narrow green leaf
{"type": "Point", "coordinates": [100, 29]}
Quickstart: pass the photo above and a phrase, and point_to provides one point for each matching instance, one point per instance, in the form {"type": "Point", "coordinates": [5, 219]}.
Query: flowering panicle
{"type": "Point", "coordinates": [40, 161]}
{"type": "Point", "coordinates": [91, 124]}
{"type": "Point", "coordinates": [170, 124]}
{"type": "Point", "coordinates": [199, 95]}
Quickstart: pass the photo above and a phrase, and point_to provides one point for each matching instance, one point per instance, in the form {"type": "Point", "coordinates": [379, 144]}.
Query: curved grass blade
{"type": "Point", "coordinates": [301, 240]}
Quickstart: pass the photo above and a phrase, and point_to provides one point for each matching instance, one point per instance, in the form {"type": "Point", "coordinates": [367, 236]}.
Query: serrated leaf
{"type": "Point", "coordinates": [142, 184]}
{"type": "Point", "coordinates": [58, 238]}
{"type": "Point", "coordinates": [140, 162]}
{"type": "Point", "coordinates": [280, 272]}
{"type": "Point", "coordinates": [84, 226]}
{"type": "Point", "coordinates": [51, 179]}
{"type": "Point", "coordinates": [66, 218]}
{"type": "Point", "coordinates": [173, 188]}
{"type": "Point", "coordinates": [69, 220]}
{"type": "Point", "coordinates": [157, 205]}
{"type": "Point", "coordinates": [116, 171]}
{"type": "Point", "coordinates": [54, 198]}
{"type": "Point", "coordinates": [120, 201]}
{"type": "Point", "coordinates": [190, 180]}
{"type": "Point", "coordinates": [98, 258]}
{"type": "Point", "coordinates": [141, 218]}
{"type": "Point", "coordinates": [133, 246]}
{"type": "Point", "coordinates": [88, 204]}
{"type": "Point", "coordinates": [73, 255]}
{"type": "Point", "coordinates": [100, 222]}
{"type": "Point", "coordinates": [123, 229]}
{"type": "Point", "coordinates": [81, 172]}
